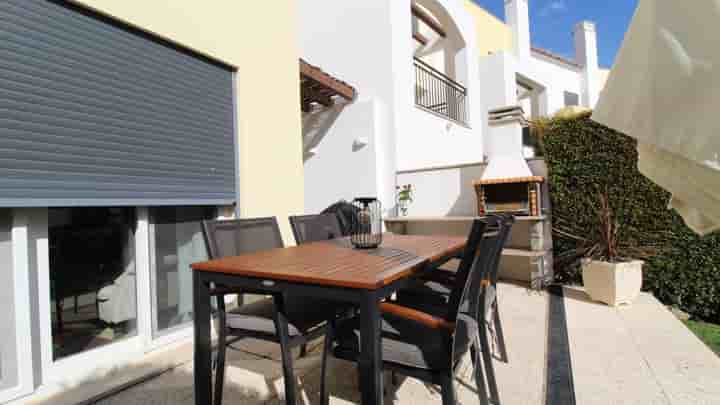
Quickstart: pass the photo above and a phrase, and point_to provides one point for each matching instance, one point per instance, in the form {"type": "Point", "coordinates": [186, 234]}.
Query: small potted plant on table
{"type": "Point", "coordinates": [404, 197]}
{"type": "Point", "coordinates": [607, 276]}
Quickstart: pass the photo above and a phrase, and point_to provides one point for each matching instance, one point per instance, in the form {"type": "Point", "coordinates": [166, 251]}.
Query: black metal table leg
{"type": "Point", "coordinates": [281, 327]}
{"type": "Point", "coordinates": [370, 362]}
{"type": "Point", "coordinates": [203, 347]}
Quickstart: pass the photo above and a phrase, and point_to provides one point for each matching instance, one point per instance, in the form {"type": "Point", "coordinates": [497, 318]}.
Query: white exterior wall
{"type": "Point", "coordinates": [361, 53]}
{"type": "Point", "coordinates": [430, 141]}
{"type": "Point", "coordinates": [423, 139]}
{"type": "Point", "coordinates": [586, 53]}
{"type": "Point", "coordinates": [555, 77]}
{"type": "Point", "coordinates": [443, 192]}
{"type": "Point", "coordinates": [498, 88]}
{"type": "Point", "coordinates": [331, 176]}
{"type": "Point", "coordinates": [517, 16]}
{"type": "Point", "coordinates": [374, 53]}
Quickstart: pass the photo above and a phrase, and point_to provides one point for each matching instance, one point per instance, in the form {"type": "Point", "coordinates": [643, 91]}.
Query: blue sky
{"type": "Point", "coordinates": [552, 22]}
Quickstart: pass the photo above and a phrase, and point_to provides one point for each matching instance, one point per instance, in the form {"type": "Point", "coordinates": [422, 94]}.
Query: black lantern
{"type": "Point", "coordinates": [366, 227]}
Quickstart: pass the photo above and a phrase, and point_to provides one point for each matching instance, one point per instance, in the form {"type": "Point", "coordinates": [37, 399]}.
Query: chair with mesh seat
{"type": "Point", "coordinates": [419, 344]}
{"type": "Point", "coordinates": [284, 319]}
{"type": "Point", "coordinates": [437, 284]}
{"type": "Point", "coordinates": [312, 228]}
{"type": "Point", "coordinates": [433, 295]}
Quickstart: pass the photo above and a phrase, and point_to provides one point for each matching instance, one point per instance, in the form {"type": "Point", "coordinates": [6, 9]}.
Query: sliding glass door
{"type": "Point", "coordinates": [93, 279]}
{"type": "Point", "coordinates": [176, 241]}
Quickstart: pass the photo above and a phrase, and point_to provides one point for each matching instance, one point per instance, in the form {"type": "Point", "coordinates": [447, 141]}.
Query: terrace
{"type": "Point", "coordinates": [562, 348]}
{"type": "Point", "coordinates": [117, 232]}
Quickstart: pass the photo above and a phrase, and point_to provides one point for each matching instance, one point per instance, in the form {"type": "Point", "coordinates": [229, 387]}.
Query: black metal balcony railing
{"type": "Point", "coordinates": [439, 93]}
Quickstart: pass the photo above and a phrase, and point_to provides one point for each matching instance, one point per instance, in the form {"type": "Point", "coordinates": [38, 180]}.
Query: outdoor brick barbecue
{"type": "Point", "coordinates": [516, 195]}
{"type": "Point", "coordinates": [509, 185]}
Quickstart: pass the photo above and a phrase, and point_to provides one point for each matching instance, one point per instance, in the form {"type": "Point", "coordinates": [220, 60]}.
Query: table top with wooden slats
{"type": "Point", "coordinates": [336, 263]}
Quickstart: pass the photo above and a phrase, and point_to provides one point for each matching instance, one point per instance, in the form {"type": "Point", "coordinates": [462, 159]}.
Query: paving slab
{"type": "Point", "coordinates": [254, 373]}
{"type": "Point", "coordinates": [686, 369]}
{"type": "Point", "coordinates": [638, 354]}
{"type": "Point", "coordinates": [524, 318]}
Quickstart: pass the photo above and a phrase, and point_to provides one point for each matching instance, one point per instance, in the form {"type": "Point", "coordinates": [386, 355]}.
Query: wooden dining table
{"type": "Point", "coordinates": [331, 270]}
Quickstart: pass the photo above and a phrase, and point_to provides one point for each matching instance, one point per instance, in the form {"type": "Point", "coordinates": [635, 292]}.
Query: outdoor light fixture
{"type": "Point", "coordinates": [366, 227]}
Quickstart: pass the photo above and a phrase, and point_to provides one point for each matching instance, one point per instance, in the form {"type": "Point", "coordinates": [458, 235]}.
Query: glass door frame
{"type": "Point", "coordinates": [35, 254]}
{"type": "Point", "coordinates": [91, 362]}
{"type": "Point", "coordinates": [175, 333]}
{"type": "Point", "coordinates": [178, 333]}
{"type": "Point", "coordinates": [22, 304]}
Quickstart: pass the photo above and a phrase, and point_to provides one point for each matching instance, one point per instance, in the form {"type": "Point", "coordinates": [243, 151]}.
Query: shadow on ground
{"type": "Point", "coordinates": [256, 378]}
{"type": "Point", "coordinates": [254, 373]}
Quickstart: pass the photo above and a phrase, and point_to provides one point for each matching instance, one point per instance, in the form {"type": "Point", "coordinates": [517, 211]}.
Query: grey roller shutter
{"type": "Point", "coordinates": [93, 113]}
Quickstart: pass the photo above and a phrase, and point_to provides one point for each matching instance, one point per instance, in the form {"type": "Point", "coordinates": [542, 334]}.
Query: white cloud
{"type": "Point", "coordinates": [552, 7]}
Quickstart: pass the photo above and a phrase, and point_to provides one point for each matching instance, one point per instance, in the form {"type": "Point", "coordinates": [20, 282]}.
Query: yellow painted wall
{"type": "Point", "coordinates": [492, 34]}
{"type": "Point", "coordinates": [259, 38]}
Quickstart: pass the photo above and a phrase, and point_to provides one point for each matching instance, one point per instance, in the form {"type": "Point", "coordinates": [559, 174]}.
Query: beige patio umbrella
{"type": "Point", "coordinates": [664, 90]}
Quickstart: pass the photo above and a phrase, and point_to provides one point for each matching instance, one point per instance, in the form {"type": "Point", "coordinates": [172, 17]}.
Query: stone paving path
{"type": "Point", "coordinates": [637, 354]}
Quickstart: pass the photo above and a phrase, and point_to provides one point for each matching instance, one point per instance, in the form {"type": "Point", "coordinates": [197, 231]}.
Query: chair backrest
{"type": "Point", "coordinates": [465, 297]}
{"type": "Point", "coordinates": [346, 213]}
{"type": "Point", "coordinates": [491, 252]}
{"type": "Point", "coordinates": [505, 227]}
{"type": "Point", "coordinates": [468, 265]}
{"type": "Point", "coordinates": [312, 228]}
{"type": "Point", "coordinates": [234, 237]}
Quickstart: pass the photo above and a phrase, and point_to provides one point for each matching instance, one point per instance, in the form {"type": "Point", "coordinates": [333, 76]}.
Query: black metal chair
{"type": "Point", "coordinates": [312, 228]}
{"type": "Point", "coordinates": [286, 320]}
{"type": "Point", "coordinates": [346, 213]}
{"type": "Point", "coordinates": [490, 297]}
{"type": "Point", "coordinates": [419, 344]}
{"type": "Point", "coordinates": [434, 293]}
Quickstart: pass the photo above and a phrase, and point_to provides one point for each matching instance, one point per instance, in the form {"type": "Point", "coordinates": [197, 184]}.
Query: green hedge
{"type": "Point", "coordinates": [584, 159]}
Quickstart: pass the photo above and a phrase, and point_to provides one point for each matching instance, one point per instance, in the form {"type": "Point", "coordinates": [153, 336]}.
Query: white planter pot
{"type": "Point", "coordinates": [612, 283]}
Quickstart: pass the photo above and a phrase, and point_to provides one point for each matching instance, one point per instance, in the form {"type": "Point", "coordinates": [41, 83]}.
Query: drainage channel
{"type": "Point", "coordinates": [559, 386]}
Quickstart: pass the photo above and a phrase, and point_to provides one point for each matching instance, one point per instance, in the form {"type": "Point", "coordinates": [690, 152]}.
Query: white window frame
{"type": "Point", "coordinates": [175, 333]}
{"type": "Point", "coordinates": [22, 306]}
{"type": "Point", "coordinates": [93, 362]}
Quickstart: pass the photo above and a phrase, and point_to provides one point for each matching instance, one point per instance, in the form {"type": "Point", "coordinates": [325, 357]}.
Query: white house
{"type": "Point", "coordinates": [543, 82]}
{"type": "Point", "coordinates": [427, 73]}
{"type": "Point", "coordinates": [415, 66]}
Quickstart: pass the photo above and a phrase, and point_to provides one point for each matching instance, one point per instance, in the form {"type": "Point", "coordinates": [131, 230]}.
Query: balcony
{"type": "Point", "coordinates": [439, 94]}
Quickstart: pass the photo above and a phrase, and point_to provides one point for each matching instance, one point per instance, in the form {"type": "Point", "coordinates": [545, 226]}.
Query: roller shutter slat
{"type": "Point", "coordinates": [93, 113]}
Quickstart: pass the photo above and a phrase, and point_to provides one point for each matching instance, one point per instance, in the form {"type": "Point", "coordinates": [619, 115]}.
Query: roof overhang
{"type": "Point", "coordinates": [318, 87]}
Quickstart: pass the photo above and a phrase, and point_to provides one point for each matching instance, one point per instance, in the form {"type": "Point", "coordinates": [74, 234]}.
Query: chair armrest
{"type": "Point", "coordinates": [417, 316]}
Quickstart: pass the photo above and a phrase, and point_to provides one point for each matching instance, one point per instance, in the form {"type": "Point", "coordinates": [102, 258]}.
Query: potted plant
{"type": "Point", "coordinates": [404, 197]}
{"type": "Point", "coordinates": [607, 275]}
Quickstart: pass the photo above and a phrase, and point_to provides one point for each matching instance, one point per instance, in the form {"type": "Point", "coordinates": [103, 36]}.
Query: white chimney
{"type": "Point", "coordinates": [517, 18]}
{"type": "Point", "coordinates": [505, 144]}
{"type": "Point", "coordinates": [586, 54]}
